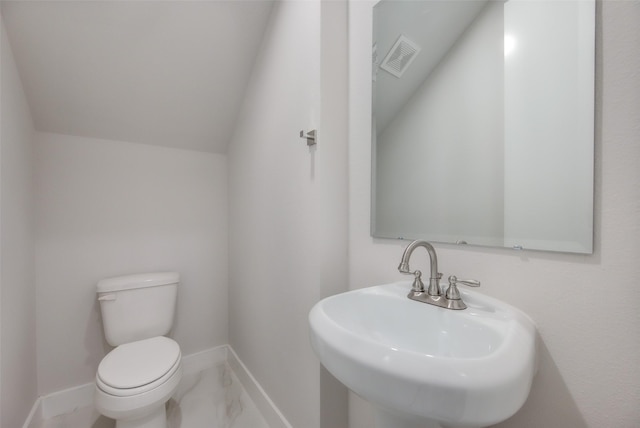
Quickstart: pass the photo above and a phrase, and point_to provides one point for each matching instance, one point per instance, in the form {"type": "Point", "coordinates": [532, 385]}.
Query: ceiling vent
{"type": "Point", "coordinates": [400, 57]}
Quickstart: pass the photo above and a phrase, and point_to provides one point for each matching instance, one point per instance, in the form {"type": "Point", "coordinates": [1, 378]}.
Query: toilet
{"type": "Point", "coordinates": [136, 379]}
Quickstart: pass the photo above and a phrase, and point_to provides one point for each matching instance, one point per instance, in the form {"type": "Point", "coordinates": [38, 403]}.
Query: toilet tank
{"type": "Point", "coordinates": [137, 307]}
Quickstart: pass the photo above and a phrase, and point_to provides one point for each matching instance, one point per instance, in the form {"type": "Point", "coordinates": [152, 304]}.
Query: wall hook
{"type": "Point", "coordinates": [311, 137]}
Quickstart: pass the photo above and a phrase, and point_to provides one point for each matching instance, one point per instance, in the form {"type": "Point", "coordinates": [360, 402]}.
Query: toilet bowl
{"type": "Point", "coordinates": [136, 379]}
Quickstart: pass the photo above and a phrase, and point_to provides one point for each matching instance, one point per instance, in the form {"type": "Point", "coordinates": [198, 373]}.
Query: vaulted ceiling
{"type": "Point", "coordinates": [169, 73]}
{"type": "Point", "coordinates": [435, 26]}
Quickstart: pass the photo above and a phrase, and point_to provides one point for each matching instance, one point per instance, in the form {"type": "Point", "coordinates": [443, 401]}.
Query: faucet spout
{"type": "Point", "coordinates": [434, 278]}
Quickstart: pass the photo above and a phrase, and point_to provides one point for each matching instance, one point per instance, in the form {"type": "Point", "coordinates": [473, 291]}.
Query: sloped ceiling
{"type": "Point", "coordinates": [435, 26]}
{"type": "Point", "coordinates": [169, 73]}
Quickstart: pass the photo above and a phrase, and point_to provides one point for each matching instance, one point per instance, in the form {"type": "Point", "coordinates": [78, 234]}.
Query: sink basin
{"type": "Point", "coordinates": [425, 364]}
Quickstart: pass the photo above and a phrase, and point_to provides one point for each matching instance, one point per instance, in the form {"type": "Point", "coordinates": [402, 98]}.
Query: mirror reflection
{"type": "Point", "coordinates": [483, 122]}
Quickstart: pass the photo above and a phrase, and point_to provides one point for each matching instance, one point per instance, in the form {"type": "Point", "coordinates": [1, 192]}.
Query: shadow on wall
{"type": "Point", "coordinates": [550, 403]}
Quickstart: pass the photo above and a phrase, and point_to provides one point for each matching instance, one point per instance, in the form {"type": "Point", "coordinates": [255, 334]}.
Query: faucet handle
{"type": "Point", "coordinates": [452, 292]}
{"type": "Point", "coordinates": [469, 282]}
{"type": "Point", "coordinates": [418, 285]}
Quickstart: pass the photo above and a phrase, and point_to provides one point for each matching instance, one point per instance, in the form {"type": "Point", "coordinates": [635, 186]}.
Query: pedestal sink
{"type": "Point", "coordinates": [425, 366]}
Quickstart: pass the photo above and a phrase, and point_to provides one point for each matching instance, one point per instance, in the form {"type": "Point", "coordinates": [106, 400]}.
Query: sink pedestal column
{"type": "Point", "coordinates": [385, 419]}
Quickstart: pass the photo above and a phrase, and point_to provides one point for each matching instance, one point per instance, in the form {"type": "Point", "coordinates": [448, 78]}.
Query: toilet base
{"type": "Point", "coordinates": [156, 419]}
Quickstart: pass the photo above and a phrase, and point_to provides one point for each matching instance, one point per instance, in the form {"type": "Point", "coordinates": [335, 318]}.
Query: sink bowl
{"type": "Point", "coordinates": [419, 364]}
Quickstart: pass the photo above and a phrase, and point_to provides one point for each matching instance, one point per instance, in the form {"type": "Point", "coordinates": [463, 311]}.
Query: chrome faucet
{"type": "Point", "coordinates": [434, 279]}
{"type": "Point", "coordinates": [434, 296]}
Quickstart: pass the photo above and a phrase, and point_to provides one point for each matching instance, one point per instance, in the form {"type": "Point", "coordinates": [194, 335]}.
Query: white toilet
{"type": "Point", "coordinates": [137, 378]}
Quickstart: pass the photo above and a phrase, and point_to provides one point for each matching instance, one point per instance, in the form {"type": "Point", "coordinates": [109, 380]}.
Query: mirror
{"type": "Point", "coordinates": [483, 122]}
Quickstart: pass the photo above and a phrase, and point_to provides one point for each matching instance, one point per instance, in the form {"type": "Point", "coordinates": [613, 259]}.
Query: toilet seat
{"type": "Point", "coordinates": [137, 367]}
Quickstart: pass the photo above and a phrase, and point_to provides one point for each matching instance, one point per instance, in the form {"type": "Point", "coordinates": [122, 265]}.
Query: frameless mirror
{"type": "Point", "coordinates": [483, 122]}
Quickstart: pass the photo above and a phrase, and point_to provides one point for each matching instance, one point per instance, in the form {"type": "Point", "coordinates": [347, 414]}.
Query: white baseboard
{"type": "Point", "coordinates": [204, 359]}
{"type": "Point", "coordinates": [35, 415]}
{"type": "Point", "coordinates": [68, 400]}
{"type": "Point", "coordinates": [268, 409]}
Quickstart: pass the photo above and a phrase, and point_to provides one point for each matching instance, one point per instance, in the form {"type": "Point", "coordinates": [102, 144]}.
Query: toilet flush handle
{"type": "Point", "coordinates": [105, 297]}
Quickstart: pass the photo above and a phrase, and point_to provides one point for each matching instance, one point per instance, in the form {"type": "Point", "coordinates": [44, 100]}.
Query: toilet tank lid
{"type": "Point", "coordinates": [130, 282]}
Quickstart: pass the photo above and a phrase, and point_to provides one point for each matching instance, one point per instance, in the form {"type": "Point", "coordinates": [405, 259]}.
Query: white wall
{"type": "Point", "coordinates": [438, 125]}
{"type": "Point", "coordinates": [586, 307]}
{"type": "Point", "coordinates": [108, 208]}
{"type": "Point", "coordinates": [18, 386]}
{"type": "Point", "coordinates": [288, 218]}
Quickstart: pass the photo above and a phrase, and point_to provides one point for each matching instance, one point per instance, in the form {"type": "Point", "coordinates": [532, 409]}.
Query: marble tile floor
{"type": "Point", "coordinates": [213, 398]}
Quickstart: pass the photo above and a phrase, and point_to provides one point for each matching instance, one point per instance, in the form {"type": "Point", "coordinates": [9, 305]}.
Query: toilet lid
{"type": "Point", "coordinates": [138, 363]}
